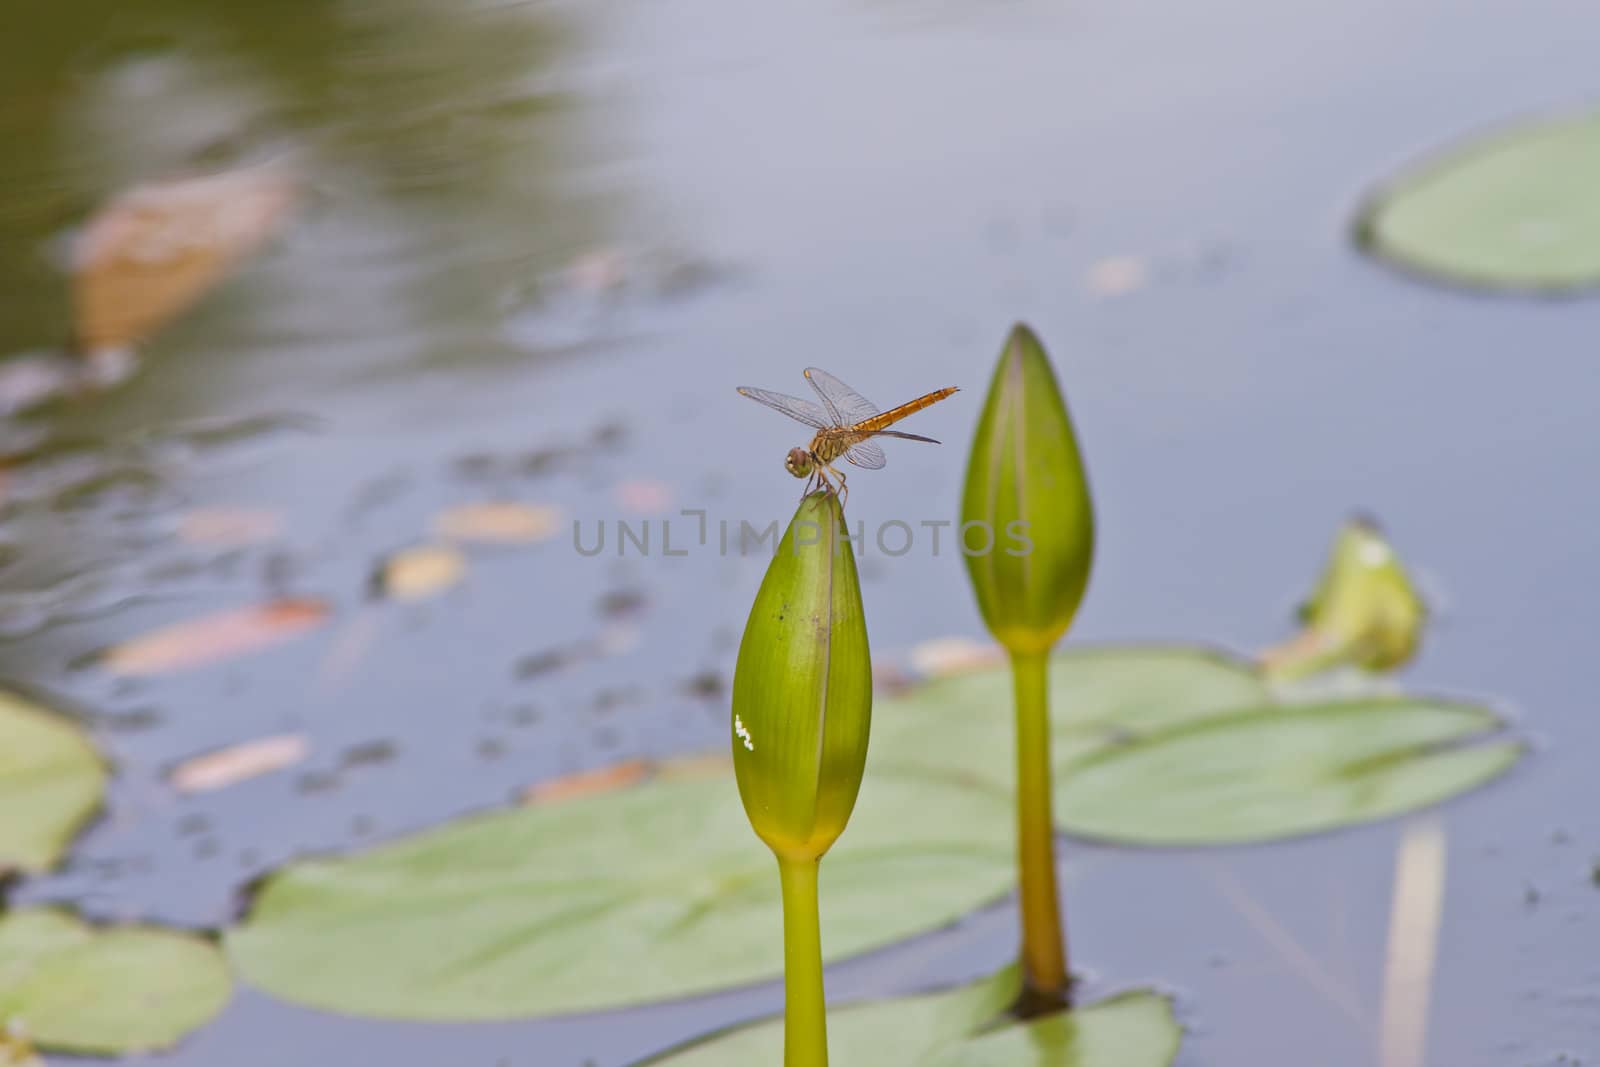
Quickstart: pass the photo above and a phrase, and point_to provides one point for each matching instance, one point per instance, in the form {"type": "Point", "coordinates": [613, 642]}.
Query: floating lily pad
{"type": "Point", "coordinates": [75, 988]}
{"type": "Point", "coordinates": [653, 892]}
{"type": "Point", "coordinates": [51, 782]}
{"type": "Point", "coordinates": [957, 1029]}
{"type": "Point", "coordinates": [961, 727]}
{"type": "Point", "coordinates": [1279, 771]}
{"type": "Point", "coordinates": [1516, 210]}
{"type": "Point", "coordinates": [659, 890]}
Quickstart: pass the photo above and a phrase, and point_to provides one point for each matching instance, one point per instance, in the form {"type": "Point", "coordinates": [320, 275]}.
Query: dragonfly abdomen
{"type": "Point", "coordinates": [910, 407]}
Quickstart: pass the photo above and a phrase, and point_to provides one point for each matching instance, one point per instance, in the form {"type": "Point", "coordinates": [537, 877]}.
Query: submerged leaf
{"type": "Point", "coordinates": [229, 527]}
{"type": "Point", "coordinates": [498, 522]}
{"type": "Point", "coordinates": [421, 572]}
{"type": "Point", "coordinates": [212, 638]}
{"type": "Point", "coordinates": [589, 783]}
{"type": "Point", "coordinates": [964, 1027]}
{"type": "Point", "coordinates": [1515, 210]}
{"type": "Point", "coordinates": [156, 249]}
{"type": "Point", "coordinates": [51, 782]}
{"type": "Point", "coordinates": [1118, 276]}
{"type": "Point", "coordinates": [238, 763]}
{"type": "Point", "coordinates": [105, 991]}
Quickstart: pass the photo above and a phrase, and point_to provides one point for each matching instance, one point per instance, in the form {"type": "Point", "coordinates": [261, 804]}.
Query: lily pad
{"type": "Point", "coordinates": [957, 1029]}
{"type": "Point", "coordinates": [659, 890]}
{"type": "Point", "coordinates": [1279, 771]}
{"type": "Point", "coordinates": [961, 727]}
{"type": "Point", "coordinates": [76, 988]}
{"type": "Point", "coordinates": [653, 892]}
{"type": "Point", "coordinates": [1516, 210]}
{"type": "Point", "coordinates": [51, 782]}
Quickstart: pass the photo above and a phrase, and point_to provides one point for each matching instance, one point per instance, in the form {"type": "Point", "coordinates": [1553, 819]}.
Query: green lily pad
{"type": "Point", "coordinates": [657, 891]}
{"type": "Point", "coordinates": [1279, 771]}
{"type": "Point", "coordinates": [660, 890]}
{"type": "Point", "coordinates": [1519, 210]}
{"type": "Point", "coordinates": [103, 991]}
{"type": "Point", "coordinates": [957, 1029]}
{"type": "Point", "coordinates": [961, 727]}
{"type": "Point", "coordinates": [51, 782]}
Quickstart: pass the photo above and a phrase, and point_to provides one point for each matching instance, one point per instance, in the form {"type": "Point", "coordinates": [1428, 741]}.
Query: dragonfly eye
{"type": "Point", "coordinates": [798, 462]}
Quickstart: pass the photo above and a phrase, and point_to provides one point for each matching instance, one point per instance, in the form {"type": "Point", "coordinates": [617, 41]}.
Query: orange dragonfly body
{"type": "Point", "coordinates": [846, 423]}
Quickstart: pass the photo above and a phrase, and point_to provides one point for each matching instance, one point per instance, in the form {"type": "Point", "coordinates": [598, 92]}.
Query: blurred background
{"type": "Point", "coordinates": [428, 256]}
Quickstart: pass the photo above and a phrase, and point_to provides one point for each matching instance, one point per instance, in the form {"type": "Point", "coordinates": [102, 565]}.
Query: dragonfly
{"type": "Point", "coordinates": [847, 426]}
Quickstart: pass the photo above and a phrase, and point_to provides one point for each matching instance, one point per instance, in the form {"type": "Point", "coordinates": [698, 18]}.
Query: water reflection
{"type": "Point", "coordinates": [434, 149]}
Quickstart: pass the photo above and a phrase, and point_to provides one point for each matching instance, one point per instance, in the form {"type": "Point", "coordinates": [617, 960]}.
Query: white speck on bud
{"type": "Point", "coordinates": [743, 734]}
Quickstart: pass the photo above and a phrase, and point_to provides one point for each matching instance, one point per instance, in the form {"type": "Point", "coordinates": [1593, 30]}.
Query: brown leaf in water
{"type": "Point", "coordinates": [228, 527]}
{"type": "Point", "coordinates": [212, 638]}
{"type": "Point", "coordinates": [588, 783]}
{"type": "Point", "coordinates": [238, 763]}
{"type": "Point", "coordinates": [645, 497]}
{"type": "Point", "coordinates": [942, 656]}
{"type": "Point", "coordinates": [715, 764]}
{"type": "Point", "coordinates": [421, 572]}
{"type": "Point", "coordinates": [156, 249]}
{"type": "Point", "coordinates": [1117, 276]}
{"type": "Point", "coordinates": [498, 522]}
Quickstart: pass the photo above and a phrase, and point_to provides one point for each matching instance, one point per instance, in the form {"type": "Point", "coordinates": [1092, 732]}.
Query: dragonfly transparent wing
{"type": "Point", "coordinates": [866, 454]}
{"type": "Point", "coordinates": [800, 410]}
{"type": "Point", "coordinates": [842, 401]}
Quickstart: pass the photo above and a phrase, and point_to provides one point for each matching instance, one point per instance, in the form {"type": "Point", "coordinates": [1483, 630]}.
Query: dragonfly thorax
{"type": "Point", "coordinates": [798, 463]}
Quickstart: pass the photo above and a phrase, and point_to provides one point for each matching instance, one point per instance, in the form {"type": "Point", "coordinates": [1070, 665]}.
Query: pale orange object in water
{"type": "Point", "coordinates": [238, 763]}
{"type": "Point", "coordinates": [213, 638]}
{"type": "Point", "coordinates": [156, 249]}
{"type": "Point", "coordinates": [588, 783]}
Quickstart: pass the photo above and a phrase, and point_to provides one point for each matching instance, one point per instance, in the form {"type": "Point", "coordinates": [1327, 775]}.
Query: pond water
{"type": "Point", "coordinates": [539, 243]}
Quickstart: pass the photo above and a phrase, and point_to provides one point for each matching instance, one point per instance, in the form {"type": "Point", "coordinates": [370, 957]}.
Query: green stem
{"type": "Point", "coordinates": [805, 1024]}
{"type": "Point", "coordinates": [1044, 949]}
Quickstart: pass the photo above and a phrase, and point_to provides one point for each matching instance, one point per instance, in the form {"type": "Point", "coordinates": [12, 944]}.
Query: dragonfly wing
{"type": "Point", "coordinates": [866, 454]}
{"type": "Point", "coordinates": [841, 400]}
{"type": "Point", "coordinates": [905, 436]}
{"type": "Point", "coordinates": [800, 410]}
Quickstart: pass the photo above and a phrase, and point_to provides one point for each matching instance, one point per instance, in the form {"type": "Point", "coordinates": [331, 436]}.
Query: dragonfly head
{"type": "Point", "coordinates": [798, 463]}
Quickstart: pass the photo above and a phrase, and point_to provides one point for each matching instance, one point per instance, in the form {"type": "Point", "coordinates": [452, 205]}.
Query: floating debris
{"type": "Point", "coordinates": [588, 783]}
{"type": "Point", "coordinates": [229, 527]}
{"type": "Point", "coordinates": [238, 763]}
{"type": "Point", "coordinates": [644, 497]}
{"type": "Point", "coordinates": [214, 638]}
{"type": "Point", "coordinates": [502, 523]}
{"type": "Point", "coordinates": [941, 656]}
{"type": "Point", "coordinates": [156, 249]}
{"type": "Point", "coordinates": [1117, 276]}
{"type": "Point", "coordinates": [419, 573]}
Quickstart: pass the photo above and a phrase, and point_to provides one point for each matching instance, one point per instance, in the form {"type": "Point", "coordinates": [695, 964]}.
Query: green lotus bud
{"type": "Point", "coordinates": [1364, 611]}
{"type": "Point", "coordinates": [1027, 526]}
{"type": "Point", "coordinates": [802, 688]}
